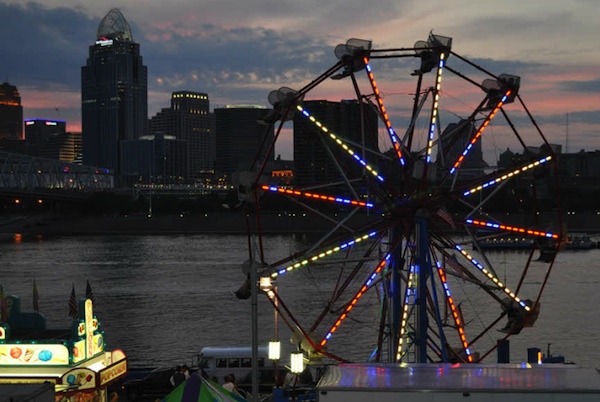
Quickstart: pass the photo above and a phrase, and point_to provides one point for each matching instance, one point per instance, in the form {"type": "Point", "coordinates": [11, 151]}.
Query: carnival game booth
{"type": "Point", "coordinates": [74, 360]}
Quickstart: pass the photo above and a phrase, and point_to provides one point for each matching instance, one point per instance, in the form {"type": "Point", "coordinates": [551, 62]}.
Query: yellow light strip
{"type": "Point", "coordinates": [508, 175]}
{"type": "Point", "coordinates": [340, 143]}
{"type": "Point", "coordinates": [321, 255]}
{"type": "Point", "coordinates": [496, 281]}
{"type": "Point", "coordinates": [434, 109]}
{"type": "Point", "coordinates": [409, 288]}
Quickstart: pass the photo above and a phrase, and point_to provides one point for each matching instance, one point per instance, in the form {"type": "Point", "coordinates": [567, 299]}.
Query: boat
{"type": "Point", "coordinates": [580, 243]}
{"type": "Point", "coordinates": [505, 242]}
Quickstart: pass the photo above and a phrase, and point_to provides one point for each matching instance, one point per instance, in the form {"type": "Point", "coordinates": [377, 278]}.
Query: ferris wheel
{"type": "Point", "coordinates": [408, 267]}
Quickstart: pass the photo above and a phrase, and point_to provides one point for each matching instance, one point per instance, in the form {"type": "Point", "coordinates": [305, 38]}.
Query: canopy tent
{"type": "Point", "coordinates": [199, 389]}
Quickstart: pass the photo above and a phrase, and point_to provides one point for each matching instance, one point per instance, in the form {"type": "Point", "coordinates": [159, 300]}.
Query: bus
{"type": "Point", "coordinates": [218, 361]}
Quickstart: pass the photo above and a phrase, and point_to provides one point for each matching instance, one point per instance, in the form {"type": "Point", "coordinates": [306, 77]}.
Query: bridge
{"type": "Point", "coordinates": [29, 176]}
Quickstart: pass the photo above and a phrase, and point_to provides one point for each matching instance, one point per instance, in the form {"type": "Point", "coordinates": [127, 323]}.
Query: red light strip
{"type": "Point", "coordinates": [480, 131]}
{"type": "Point", "coordinates": [512, 229]}
{"type": "Point", "coordinates": [351, 305]}
{"type": "Point", "coordinates": [386, 119]}
{"type": "Point", "coordinates": [339, 200]}
{"type": "Point", "coordinates": [457, 319]}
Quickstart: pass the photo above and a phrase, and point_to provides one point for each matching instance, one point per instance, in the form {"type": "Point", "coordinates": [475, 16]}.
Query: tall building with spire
{"type": "Point", "coordinates": [114, 93]}
{"type": "Point", "coordinates": [11, 113]}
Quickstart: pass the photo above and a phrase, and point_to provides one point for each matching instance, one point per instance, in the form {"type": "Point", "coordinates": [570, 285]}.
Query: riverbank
{"type": "Point", "coordinates": [227, 222]}
{"type": "Point", "coordinates": [222, 222]}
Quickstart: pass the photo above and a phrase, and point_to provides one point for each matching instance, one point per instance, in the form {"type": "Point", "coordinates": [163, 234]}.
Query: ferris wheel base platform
{"type": "Point", "coordinates": [455, 382]}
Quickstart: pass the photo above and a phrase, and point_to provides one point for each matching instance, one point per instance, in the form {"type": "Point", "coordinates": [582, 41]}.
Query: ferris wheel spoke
{"type": "Point", "coordinates": [458, 320]}
{"type": "Point", "coordinates": [386, 120]}
{"type": "Point", "coordinates": [434, 109]}
{"type": "Point", "coordinates": [354, 300]}
{"type": "Point", "coordinates": [320, 197]}
{"type": "Point", "coordinates": [311, 259]}
{"type": "Point", "coordinates": [297, 327]}
{"type": "Point", "coordinates": [505, 176]}
{"type": "Point", "coordinates": [514, 229]}
{"type": "Point", "coordinates": [341, 143]}
{"type": "Point", "coordinates": [409, 294]}
{"type": "Point", "coordinates": [497, 282]}
{"type": "Point", "coordinates": [478, 133]}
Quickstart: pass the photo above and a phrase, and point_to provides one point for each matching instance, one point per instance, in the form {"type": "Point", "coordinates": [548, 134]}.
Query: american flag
{"type": "Point", "coordinates": [88, 292]}
{"type": "Point", "coordinates": [36, 298]}
{"type": "Point", "coordinates": [445, 215]}
{"type": "Point", "coordinates": [73, 304]}
{"type": "Point", "coordinates": [452, 262]}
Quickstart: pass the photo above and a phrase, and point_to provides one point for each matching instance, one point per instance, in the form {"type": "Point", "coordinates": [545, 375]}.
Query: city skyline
{"type": "Point", "coordinates": [239, 54]}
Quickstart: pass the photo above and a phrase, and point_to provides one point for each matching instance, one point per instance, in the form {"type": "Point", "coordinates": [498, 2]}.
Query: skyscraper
{"type": "Point", "coordinates": [241, 140]}
{"type": "Point", "coordinates": [11, 113]}
{"type": "Point", "coordinates": [356, 124]}
{"type": "Point", "coordinates": [189, 119]}
{"type": "Point", "coordinates": [114, 93]}
{"type": "Point", "coordinates": [43, 137]}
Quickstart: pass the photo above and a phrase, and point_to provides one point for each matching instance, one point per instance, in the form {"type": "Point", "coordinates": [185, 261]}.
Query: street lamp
{"type": "Point", "coordinates": [297, 362]}
{"type": "Point", "coordinates": [268, 286]}
{"type": "Point", "coordinates": [274, 350]}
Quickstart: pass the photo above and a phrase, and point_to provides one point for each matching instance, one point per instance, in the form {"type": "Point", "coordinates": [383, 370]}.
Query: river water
{"type": "Point", "coordinates": [161, 298]}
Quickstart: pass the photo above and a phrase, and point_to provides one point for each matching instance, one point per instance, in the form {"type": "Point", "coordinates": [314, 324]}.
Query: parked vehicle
{"type": "Point", "coordinates": [217, 362]}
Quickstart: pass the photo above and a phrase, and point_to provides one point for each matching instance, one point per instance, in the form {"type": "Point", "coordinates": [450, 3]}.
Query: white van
{"type": "Point", "coordinates": [218, 361]}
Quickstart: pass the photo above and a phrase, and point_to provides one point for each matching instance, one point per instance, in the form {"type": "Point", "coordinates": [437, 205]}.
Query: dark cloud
{"type": "Point", "coordinates": [235, 56]}
{"type": "Point", "coordinates": [42, 46]}
{"type": "Point", "coordinates": [591, 117]}
{"type": "Point", "coordinates": [581, 86]}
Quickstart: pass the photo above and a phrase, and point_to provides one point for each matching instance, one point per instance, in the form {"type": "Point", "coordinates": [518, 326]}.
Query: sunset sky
{"type": "Point", "coordinates": [238, 51]}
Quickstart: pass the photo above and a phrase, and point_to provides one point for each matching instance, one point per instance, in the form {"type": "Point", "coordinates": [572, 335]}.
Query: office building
{"type": "Point", "coordinates": [11, 113]}
{"type": "Point", "coordinates": [114, 93]}
{"type": "Point", "coordinates": [43, 137]}
{"type": "Point", "coordinates": [154, 159]}
{"type": "Point", "coordinates": [188, 119]}
{"type": "Point", "coordinates": [242, 142]}
{"type": "Point", "coordinates": [354, 123]}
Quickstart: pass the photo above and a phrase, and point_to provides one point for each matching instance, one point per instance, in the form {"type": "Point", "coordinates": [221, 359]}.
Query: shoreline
{"type": "Point", "coordinates": [221, 222]}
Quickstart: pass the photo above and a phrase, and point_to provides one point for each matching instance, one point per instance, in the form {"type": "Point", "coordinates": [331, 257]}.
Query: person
{"type": "Point", "coordinates": [114, 397]}
{"type": "Point", "coordinates": [229, 383]}
{"type": "Point", "coordinates": [290, 380]}
{"type": "Point", "coordinates": [185, 371]}
{"type": "Point", "coordinates": [178, 377]}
